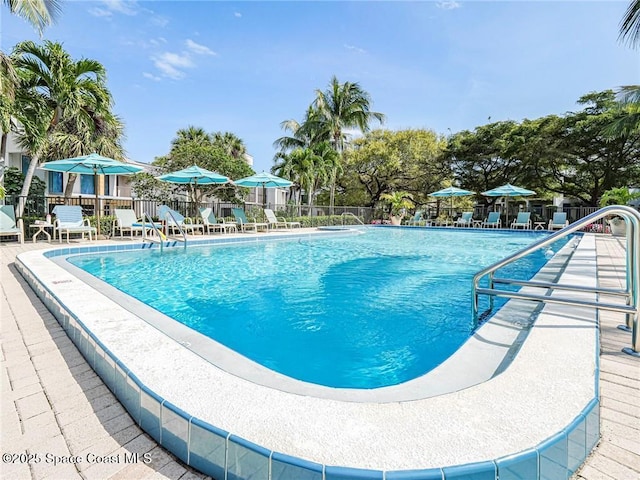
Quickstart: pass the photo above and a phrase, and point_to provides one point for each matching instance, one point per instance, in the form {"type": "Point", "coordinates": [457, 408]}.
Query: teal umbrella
{"type": "Point", "coordinates": [452, 192]}
{"type": "Point", "coordinates": [194, 175]}
{"type": "Point", "coordinates": [92, 164]}
{"type": "Point", "coordinates": [264, 180]}
{"type": "Point", "coordinates": [507, 191]}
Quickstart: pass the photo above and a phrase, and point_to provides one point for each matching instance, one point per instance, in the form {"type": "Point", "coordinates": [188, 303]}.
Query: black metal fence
{"type": "Point", "coordinates": [40, 206]}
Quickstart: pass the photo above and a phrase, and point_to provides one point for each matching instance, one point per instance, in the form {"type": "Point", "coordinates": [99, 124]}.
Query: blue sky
{"type": "Point", "coordinates": [244, 67]}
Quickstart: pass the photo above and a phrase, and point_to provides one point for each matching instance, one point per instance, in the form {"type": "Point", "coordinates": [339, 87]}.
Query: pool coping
{"type": "Point", "coordinates": [144, 395]}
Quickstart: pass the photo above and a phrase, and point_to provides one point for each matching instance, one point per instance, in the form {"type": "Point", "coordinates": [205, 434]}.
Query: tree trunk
{"type": "Point", "coordinates": [35, 159]}
{"type": "Point", "coordinates": [71, 181]}
{"type": "Point", "coordinates": [3, 160]}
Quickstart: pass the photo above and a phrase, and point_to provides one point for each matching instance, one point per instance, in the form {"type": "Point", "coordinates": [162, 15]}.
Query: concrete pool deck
{"type": "Point", "coordinates": [22, 405]}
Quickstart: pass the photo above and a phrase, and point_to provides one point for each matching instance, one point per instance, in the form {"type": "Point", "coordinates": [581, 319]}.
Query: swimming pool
{"type": "Point", "coordinates": [356, 311]}
{"type": "Point", "coordinates": [537, 418]}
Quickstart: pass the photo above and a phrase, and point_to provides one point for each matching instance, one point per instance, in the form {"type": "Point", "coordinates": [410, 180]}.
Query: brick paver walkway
{"type": "Point", "coordinates": [58, 420]}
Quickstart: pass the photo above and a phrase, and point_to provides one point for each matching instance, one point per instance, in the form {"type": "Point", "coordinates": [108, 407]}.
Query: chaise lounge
{"type": "Point", "coordinates": [8, 224]}
{"type": "Point", "coordinates": [69, 220]}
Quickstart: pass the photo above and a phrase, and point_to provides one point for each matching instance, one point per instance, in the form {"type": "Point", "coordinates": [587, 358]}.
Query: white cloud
{"type": "Point", "coordinates": [151, 76]}
{"type": "Point", "coordinates": [198, 49]}
{"type": "Point", "coordinates": [237, 14]}
{"type": "Point", "coordinates": [448, 5]}
{"type": "Point", "coordinates": [355, 49]}
{"type": "Point", "coordinates": [100, 12]}
{"type": "Point", "coordinates": [171, 65]}
{"type": "Point", "coordinates": [129, 7]}
{"type": "Point", "coordinates": [159, 21]}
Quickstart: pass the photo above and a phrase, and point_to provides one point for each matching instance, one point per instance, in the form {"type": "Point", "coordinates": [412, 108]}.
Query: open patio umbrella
{"type": "Point", "coordinates": [264, 180]}
{"type": "Point", "coordinates": [195, 176]}
{"type": "Point", "coordinates": [452, 192]}
{"type": "Point", "coordinates": [507, 191]}
{"type": "Point", "coordinates": [92, 164]}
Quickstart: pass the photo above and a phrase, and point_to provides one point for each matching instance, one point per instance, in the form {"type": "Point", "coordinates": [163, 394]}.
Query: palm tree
{"type": "Point", "coordinates": [192, 136]}
{"type": "Point", "coordinates": [629, 95]}
{"type": "Point", "coordinates": [339, 108]}
{"type": "Point", "coordinates": [231, 144]}
{"type": "Point", "coordinates": [630, 24]}
{"type": "Point", "coordinates": [39, 13]}
{"type": "Point", "coordinates": [55, 88]}
{"type": "Point", "coordinates": [8, 84]}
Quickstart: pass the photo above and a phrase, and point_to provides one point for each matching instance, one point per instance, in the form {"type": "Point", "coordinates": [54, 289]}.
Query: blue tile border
{"type": "Point", "coordinates": [555, 458]}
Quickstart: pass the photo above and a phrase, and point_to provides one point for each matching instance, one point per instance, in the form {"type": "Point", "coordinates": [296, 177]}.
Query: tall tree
{"type": "Point", "coordinates": [55, 88]}
{"type": "Point", "coordinates": [385, 161]}
{"type": "Point", "coordinates": [341, 107]}
{"type": "Point", "coordinates": [8, 86]}
{"type": "Point", "coordinates": [231, 144]}
{"type": "Point", "coordinates": [629, 96]}
{"type": "Point", "coordinates": [39, 13]}
{"type": "Point", "coordinates": [630, 24]}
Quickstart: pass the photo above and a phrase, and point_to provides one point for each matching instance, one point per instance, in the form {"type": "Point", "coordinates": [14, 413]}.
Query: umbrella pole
{"type": "Point", "coordinates": [97, 208]}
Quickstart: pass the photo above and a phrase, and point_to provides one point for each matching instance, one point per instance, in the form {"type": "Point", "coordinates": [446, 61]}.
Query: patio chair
{"type": "Point", "coordinates": [275, 222]}
{"type": "Point", "coordinates": [522, 221]}
{"type": "Point", "coordinates": [176, 221]}
{"type": "Point", "coordinates": [559, 220]}
{"type": "Point", "coordinates": [210, 222]}
{"type": "Point", "coordinates": [417, 220]}
{"type": "Point", "coordinates": [126, 221]}
{"type": "Point", "coordinates": [8, 224]}
{"type": "Point", "coordinates": [69, 220]}
{"type": "Point", "coordinates": [492, 220]}
{"type": "Point", "coordinates": [465, 220]}
{"type": "Point", "coordinates": [245, 224]}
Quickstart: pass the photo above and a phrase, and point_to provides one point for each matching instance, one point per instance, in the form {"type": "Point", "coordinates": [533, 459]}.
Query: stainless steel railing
{"type": "Point", "coordinates": [631, 292]}
{"type": "Point", "coordinates": [352, 215]}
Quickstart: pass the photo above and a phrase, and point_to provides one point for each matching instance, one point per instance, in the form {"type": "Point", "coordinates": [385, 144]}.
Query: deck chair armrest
{"type": "Point", "coordinates": [86, 222]}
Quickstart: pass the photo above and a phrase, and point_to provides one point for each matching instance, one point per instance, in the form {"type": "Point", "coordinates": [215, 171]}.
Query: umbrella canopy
{"type": "Point", "coordinates": [264, 180]}
{"type": "Point", "coordinates": [195, 175]}
{"type": "Point", "coordinates": [452, 192]}
{"type": "Point", "coordinates": [507, 191]}
{"type": "Point", "coordinates": [92, 164]}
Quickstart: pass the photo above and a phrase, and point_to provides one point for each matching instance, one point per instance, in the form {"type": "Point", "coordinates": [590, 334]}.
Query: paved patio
{"type": "Point", "coordinates": [52, 402]}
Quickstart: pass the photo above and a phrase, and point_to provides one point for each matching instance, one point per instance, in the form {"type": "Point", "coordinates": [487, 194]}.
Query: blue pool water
{"type": "Point", "coordinates": [357, 311]}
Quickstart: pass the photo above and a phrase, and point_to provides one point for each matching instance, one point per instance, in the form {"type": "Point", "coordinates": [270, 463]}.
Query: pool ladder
{"type": "Point", "coordinates": [160, 238]}
{"type": "Point", "coordinates": [630, 294]}
{"type": "Point", "coordinates": [342, 215]}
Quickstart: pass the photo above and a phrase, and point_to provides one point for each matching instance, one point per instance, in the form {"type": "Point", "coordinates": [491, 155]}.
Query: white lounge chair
{"type": "Point", "coordinates": [245, 224]}
{"type": "Point", "coordinates": [275, 222]}
{"type": "Point", "coordinates": [175, 221]}
{"type": "Point", "coordinates": [126, 221]}
{"type": "Point", "coordinates": [522, 221]}
{"type": "Point", "coordinates": [465, 220]}
{"type": "Point", "coordinates": [8, 224]}
{"type": "Point", "coordinates": [69, 220]}
{"type": "Point", "coordinates": [559, 220]}
{"type": "Point", "coordinates": [210, 222]}
{"type": "Point", "coordinates": [417, 220]}
{"type": "Point", "coordinates": [492, 220]}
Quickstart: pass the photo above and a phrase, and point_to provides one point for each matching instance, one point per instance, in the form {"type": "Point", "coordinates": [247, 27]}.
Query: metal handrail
{"type": "Point", "coordinates": [147, 220]}
{"type": "Point", "coordinates": [353, 215]}
{"type": "Point", "coordinates": [176, 224]}
{"type": "Point", "coordinates": [632, 284]}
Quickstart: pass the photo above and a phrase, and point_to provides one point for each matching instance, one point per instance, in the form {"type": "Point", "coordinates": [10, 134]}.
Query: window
{"type": "Point", "coordinates": [86, 184]}
{"type": "Point", "coordinates": [107, 184]}
{"type": "Point", "coordinates": [25, 163]}
{"type": "Point", "coordinates": [55, 182]}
